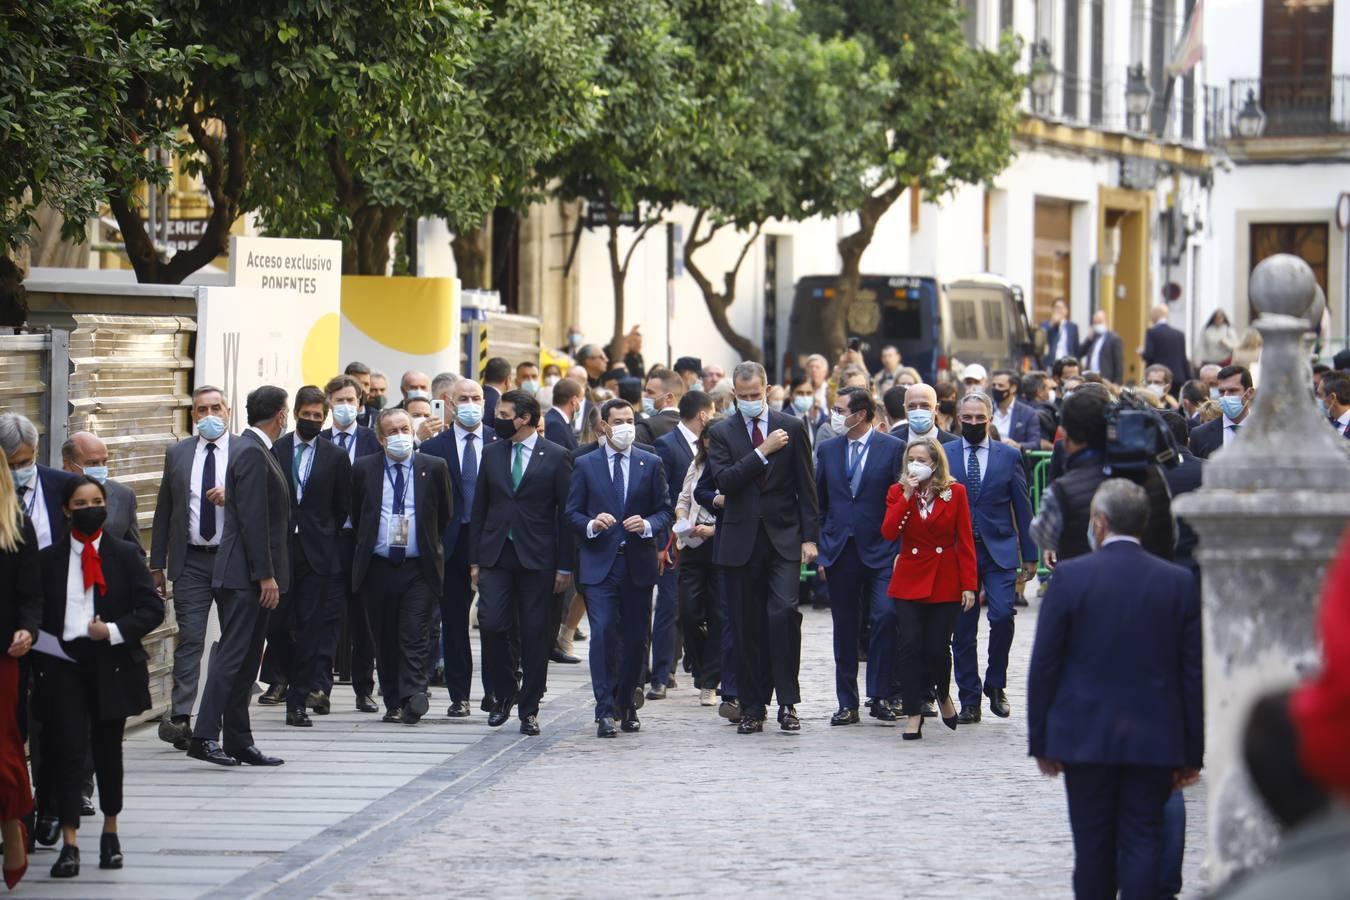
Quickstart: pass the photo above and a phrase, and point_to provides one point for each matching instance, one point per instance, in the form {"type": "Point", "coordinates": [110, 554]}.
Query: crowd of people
{"type": "Point", "coordinates": [685, 513]}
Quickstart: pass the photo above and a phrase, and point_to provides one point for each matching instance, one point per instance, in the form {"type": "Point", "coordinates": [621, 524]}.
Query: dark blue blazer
{"type": "Point", "coordinates": [367, 443]}
{"type": "Point", "coordinates": [490, 397]}
{"type": "Point", "coordinates": [1026, 426]}
{"type": "Point", "coordinates": [1182, 479]}
{"type": "Point", "coordinates": [843, 516]}
{"type": "Point", "coordinates": [1166, 346]}
{"type": "Point", "coordinates": [53, 483]}
{"type": "Point", "coordinates": [446, 447]}
{"type": "Point", "coordinates": [676, 458]}
{"type": "Point", "coordinates": [557, 430]}
{"type": "Point", "coordinates": [1052, 340]}
{"type": "Point", "coordinates": [1207, 438]}
{"type": "Point", "coordinates": [592, 492]}
{"type": "Point", "coordinates": [1116, 669]}
{"type": "Point", "coordinates": [1002, 514]}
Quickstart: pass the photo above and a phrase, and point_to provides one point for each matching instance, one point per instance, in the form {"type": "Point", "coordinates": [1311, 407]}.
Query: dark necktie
{"type": "Point", "coordinates": [396, 554]}
{"type": "Point", "coordinates": [469, 476]}
{"type": "Point", "coordinates": [342, 440]}
{"type": "Point", "coordinates": [618, 482]}
{"type": "Point", "coordinates": [973, 479]}
{"type": "Point", "coordinates": [855, 470]}
{"type": "Point", "coordinates": [756, 436]}
{"type": "Point", "coordinates": [206, 511]}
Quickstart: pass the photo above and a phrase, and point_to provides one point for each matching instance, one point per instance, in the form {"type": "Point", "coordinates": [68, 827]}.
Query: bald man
{"type": "Point", "coordinates": [920, 404]}
{"type": "Point", "coordinates": [414, 386]}
{"type": "Point", "coordinates": [85, 454]}
{"type": "Point", "coordinates": [1166, 346]}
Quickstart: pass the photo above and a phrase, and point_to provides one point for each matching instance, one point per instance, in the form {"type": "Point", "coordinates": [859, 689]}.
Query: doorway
{"type": "Point", "coordinates": [1052, 267]}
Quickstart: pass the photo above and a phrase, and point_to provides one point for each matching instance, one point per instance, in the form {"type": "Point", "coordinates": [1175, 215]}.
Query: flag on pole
{"type": "Point", "coordinates": [1190, 49]}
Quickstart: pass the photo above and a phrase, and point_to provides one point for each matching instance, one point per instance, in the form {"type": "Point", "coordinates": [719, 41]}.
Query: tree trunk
{"type": "Point", "coordinates": [718, 302]}
{"type": "Point", "coordinates": [367, 250]}
{"type": "Point", "coordinates": [471, 255]}
{"type": "Point", "coordinates": [851, 248]}
{"type": "Point", "coordinates": [618, 274]}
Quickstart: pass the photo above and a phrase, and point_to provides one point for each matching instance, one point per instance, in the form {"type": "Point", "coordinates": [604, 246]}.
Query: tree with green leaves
{"type": "Point", "coordinates": [949, 120]}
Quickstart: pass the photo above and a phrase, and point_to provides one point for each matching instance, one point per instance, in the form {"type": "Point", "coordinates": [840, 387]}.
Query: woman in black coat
{"type": "Point", "coordinates": [99, 601]}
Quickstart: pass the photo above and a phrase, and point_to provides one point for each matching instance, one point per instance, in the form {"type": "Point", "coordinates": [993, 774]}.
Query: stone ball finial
{"type": "Point", "coordinates": [1283, 285]}
{"type": "Point", "coordinates": [1318, 308]}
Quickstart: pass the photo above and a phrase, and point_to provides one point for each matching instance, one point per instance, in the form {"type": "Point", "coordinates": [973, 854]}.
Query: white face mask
{"type": "Point", "coordinates": [838, 422]}
{"type": "Point", "coordinates": [1154, 389]}
{"type": "Point", "coordinates": [417, 423]}
{"type": "Point", "coordinates": [1099, 329]}
{"type": "Point", "coordinates": [921, 471]}
{"type": "Point", "coordinates": [621, 436]}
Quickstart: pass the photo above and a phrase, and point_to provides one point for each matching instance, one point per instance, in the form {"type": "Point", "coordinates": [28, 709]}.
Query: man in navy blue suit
{"type": "Point", "coordinates": [1018, 424]}
{"type": "Point", "coordinates": [1166, 345]}
{"type": "Point", "coordinates": [1236, 393]}
{"type": "Point", "coordinates": [561, 415]}
{"type": "Point", "coordinates": [1061, 334]}
{"type": "Point", "coordinates": [1333, 393]}
{"type": "Point", "coordinates": [1000, 513]}
{"type": "Point", "coordinates": [618, 505]}
{"type": "Point", "coordinates": [461, 446]}
{"type": "Point", "coordinates": [1115, 699]}
{"type": "Point", "coordinates": [39, 487]}
{"type": "Point", "coordinates": [853, 473]}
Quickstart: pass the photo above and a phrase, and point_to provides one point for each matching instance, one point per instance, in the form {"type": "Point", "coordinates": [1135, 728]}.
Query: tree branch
{"type": "Point", "coordinates": [642, 233]}
{"type": "Point", "coordinates": [730, 276]}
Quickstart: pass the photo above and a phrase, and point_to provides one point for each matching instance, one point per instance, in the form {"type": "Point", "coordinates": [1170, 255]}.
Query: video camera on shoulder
{"type": "Point", "coordinates": [1137, 437]}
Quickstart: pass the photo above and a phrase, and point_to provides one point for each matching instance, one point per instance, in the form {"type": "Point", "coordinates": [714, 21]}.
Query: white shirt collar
{"type": "Point", "coordinates": [267, 441]}
{"type": "Point", "coordinates": [692, 438]}
{"type": "Point", "coordinates": [1121, 538]}
{"type": "Point", "coordinates": [461, 431]}
{"type": "Point", "coordinates": [221, 442]}
{"type": "Point", "coordinates": [529, 442]}
{"type": "Point", "coordinates": [983, 445]}
{"type": "Point", "coordinates": [864, 440]}
{"type": "Point", "coordinates": [77, 546]}
{"type": "Point", "coordinates": [610, 452]}
{"type": "Point", "coordinates": [1229, 423]}
{"type": "Point", "coordinates": [350, 430]}
{"type": "Point", "coordinates": [1344, 420]}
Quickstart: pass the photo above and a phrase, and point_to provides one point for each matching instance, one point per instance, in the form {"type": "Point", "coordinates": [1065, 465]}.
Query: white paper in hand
{"type": "Point", "coordinates": [47, 643]}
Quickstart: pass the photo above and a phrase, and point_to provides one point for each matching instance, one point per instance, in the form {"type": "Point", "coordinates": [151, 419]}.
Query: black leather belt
{"type": "Point", "coordinates": [204, 548]}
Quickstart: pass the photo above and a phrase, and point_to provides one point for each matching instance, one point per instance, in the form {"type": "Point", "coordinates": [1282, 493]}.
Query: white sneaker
{"type": "Point", "coordinates": [707, 697]}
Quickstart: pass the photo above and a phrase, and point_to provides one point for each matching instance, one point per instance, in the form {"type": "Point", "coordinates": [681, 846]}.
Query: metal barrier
{"type": "Point", "coordinates": [1040, 480]}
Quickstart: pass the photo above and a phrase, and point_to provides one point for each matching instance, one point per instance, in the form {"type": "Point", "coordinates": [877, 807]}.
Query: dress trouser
{"type": "Point", "coordinates": [857, 591]}
{"type": "Point", "coordinates": [768, 628]}
{"type": "Point", "coordinates": [701, 614]}
{"type": "Point", "coordinates": [618, 611]}
{"type": "Point", "coordinates": [664, 626]}
{"type": "Point", "coordinates": [192, 597]}
{"type": "Point", "coordinates": [456, 598]}
{"type": "Point", "coordinates": [398, 603]}
{"type": "Point", "coordinates": [234, 669]}
{"type": "Point", "coordinates": [354, 633]}
{"type": "Point", "coordinates": [925, 657]}
{"type": "Point", "coordinates": [1116, 813]}
{"type": "Point", "coordinates": [999, 586]}
{"type": "Point", "coordinates": [511, 595]}
{"type": "Point", "coordinates": [300, 626]}
{"type": "Point", "coordinates": [72, 725]}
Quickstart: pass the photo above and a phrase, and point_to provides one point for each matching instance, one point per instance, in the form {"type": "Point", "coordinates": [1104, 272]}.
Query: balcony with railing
{"type": "Point", "coordinates": [1248, 109]}
{"type": "Point", "coordinates": [1122, 101]}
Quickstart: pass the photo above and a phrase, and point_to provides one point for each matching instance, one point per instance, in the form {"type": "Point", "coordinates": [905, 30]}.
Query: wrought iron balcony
{"type": "Point", "coordinates": [1257, 107]}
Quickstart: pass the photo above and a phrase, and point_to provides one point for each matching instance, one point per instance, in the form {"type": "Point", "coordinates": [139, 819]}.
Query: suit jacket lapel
{"type": "Point", "coordinates": [740, 435]}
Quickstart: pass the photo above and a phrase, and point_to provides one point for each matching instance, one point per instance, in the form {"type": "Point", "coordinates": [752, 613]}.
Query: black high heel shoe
{"type": "Point", "coordinates": [950, 722]}
{"type": "Point", "coordinates": [914, 735]}
{"type": "Point", "coordinates": [109, 851]}
{"type": "Point", "coordinates": [67, 865]}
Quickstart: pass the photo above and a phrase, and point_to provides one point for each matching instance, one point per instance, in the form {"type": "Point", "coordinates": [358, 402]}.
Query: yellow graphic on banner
{"type": "Point", "coordinates": [410, 315]}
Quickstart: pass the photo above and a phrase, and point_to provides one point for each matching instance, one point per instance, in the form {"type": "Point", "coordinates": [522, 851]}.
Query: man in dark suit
{"type": "Point", "coordinates": [660, 405]}
{"type": "Point", "coordinates": [1183, 478]}
{"type": "Point", "coordinates": [184, 540]}
{"type": "Point", "coordinates": [618, 507]}
{"type": "Point", "coordinates": [1333, 393]}
{"type": "Point", "coordinates": [1061, 334]}
{"type": "Point", "coordinates": [39, 487]}
{"type": "Point", "coordinates": [520, 553]}
{"type": "Point", "coordinates": [661, 415]}
{"type": "Point", "coordinates": [760, 461]}
{"type": "Point", "coordinates": [1000, 510]}
{"type": "Point", "coordinates": [461, 446]}
{"type": "Point", "coordinates": [251, 573]}
{"type": "Point", "coordinates": [84, 453]}
{"type": "Point", "coordinates": [1166, 346]}
{"type": "Point", "coordinates": [349, 644]}
{"type": "Point", "coordinates": [320, 478]}
{"type": "Point", "coordinates": [1115, 698]}
{"type": "Point", "coordinates": [1103, 352]}
{"type": "Point", "coordinates": [1236, 393]}
{"type": "Point", "coordinates": [853, 473]}
{"type": "Point", "coordinates": [920, 405]}
{"type": "Point", "coordinates": [401, 505]}
{"type": "Point", "coordinates": [496, 381]}
{"type": "Point", "coordinates": [558, 421]}
{"type": "Point", "coordinates": [1018, 424]}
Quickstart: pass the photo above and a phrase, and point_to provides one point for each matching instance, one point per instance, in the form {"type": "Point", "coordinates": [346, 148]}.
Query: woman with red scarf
{"type": "Point", "coordinates": [99, 601]}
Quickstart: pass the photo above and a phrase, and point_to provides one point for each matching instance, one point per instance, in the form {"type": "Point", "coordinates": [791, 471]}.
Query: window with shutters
{"type": "Point", "coordinates": [1096, 62]}
{"type": "Point", "coordinates": [1070, 78]}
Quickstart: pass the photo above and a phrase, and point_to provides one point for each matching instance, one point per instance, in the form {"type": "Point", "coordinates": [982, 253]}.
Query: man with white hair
{"type": "Point", "coordinates": [39, 487]}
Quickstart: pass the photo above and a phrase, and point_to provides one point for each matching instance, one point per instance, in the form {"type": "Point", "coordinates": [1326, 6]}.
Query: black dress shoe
{"type": "Point", "coordinates": [998, 702]}
{"type": "Point", "coordinates": [845, 716]}
{"type": "Point", "coordinates": [530, 726]}
{"type": "Point", "coordinates": [67, 865]}
{"type": "Point", "coordinates": [639, 698]}
{"type": "Point", "coordinates": [177, 731]}
{"type": "Point", "coordinates": [969, 715]}
{"type": "Point", "coordinates": [252, 756]}
{"type": "Point", "coordinates": [209, 751]}
{"type": "Point", "coordinates": [882, 709]}
{"type": "Point", "coordinates": [414, 708]}
{"type": "Point", "coordinates": [556, 655]}
{"type": "Point", "coordinates": [109, 852]}
{"type": "Point", "coordinates": [393, 717]}
{"type": "Point", "coordinates": [487, 703]}
{"type": "Point", "coordinates": [274, 695]}
{"type": "Point", "coordinates": [87, 806]}
{"type": "Point", "coordinates": [630, 721]}
{"type": "Point", "coordinates": [365, 704]}
{"type": "Point", "coordinates": [657, 692]}
{"type": "Point", "coordinates": [500, 713]}
{"type": "Point", "coordinates": [48, 831]}
{"type": "Point", "coordinates": [298, 718]}
{"type": "Point", "coordinates": [604, 728]}
{"type": "Point", "coordinates": [750, 725]}
{"type": "Point", "coordinates": [319, 702]}
{"type": "Point", "coordinates": [930, 710]}
{"type": "Point", "coordinates": [459, 709]}
{"type": "Point", "coordinates": [730, 709]}
{"type": "Point", "coordinates": [787, 719]}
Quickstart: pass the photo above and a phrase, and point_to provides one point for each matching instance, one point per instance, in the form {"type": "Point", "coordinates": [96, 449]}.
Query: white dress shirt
{"type": "Point", "coordinates": [390, 476]}
{"type": "Point", "coordinates": [34, 505]}
{"type": "Point", "coordinates": [692, 439]}
{"type": "Point", "coordinates": [763, 420]}
{"type": "Point", "coordinates": [981, 455]}
{"type": "Point", "coordinates": [1095, 357]}
{"type": "Point", "coordinates": [1116, 538]}
{"type": "Point", "coordinates": [1003, 421]}
{"type": "Point", "coordinates": [306, 467]}
{"type": "Point", "coordinates": [80, 599]}
{"type": "Point", "coordinates": [194, 489]}
{"type": "Point", "coordinates": [267, 441]}
{"type": "Point", "coordinates": [1062, 348]}
{"type": "Point", "coordinates": [351, 440]}
{"type": "Point", "coordinates": [528, 444]}
{"type": "Point", "coordinates": [866, 441]}
{"type": "Point", "coordinates": [626, 467]}
{"type": "Point", "coordinates": [460, 443]}
{"type": "Point", "coordinates": [1231, 428]}
{"type": "Point", "coordinates": [1343, 422]}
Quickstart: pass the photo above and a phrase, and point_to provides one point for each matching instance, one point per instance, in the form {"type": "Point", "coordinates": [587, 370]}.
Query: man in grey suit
{"type": "Point", "coordinates": [85, 454]}
{"type": "Point", "coordinates": [184, 539]}
{"type": "Point", "coordinates": [252, 571]}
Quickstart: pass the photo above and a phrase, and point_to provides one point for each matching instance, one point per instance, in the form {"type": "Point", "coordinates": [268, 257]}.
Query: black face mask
{"type": "Point", "coordinates": [88, 519]}
{"type": "Point", "coordinates": [974, 434]}
{"type": "Point", "coordinates": [998, 394]}
{"type": "Point", "coordinates": [505, 428]}
{"type": "Point", "coordinates": [375, 403]}
{"type": "Point", "coordinates": [308, 429]}
{"type": "Point", "coordinates": [947, 407]}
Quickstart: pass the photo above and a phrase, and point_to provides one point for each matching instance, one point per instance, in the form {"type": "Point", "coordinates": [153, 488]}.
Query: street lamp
{"type": "Point", "coordinates": [1138, 96]}
{"type": "Point", "coordinates": [1043, 74]}
{"type": "Point", "coordinates": [1251, 121]}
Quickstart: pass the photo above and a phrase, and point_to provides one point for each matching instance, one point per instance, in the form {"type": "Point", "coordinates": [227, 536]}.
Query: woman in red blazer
{"type": "Point", "coordinates": [935, 576]}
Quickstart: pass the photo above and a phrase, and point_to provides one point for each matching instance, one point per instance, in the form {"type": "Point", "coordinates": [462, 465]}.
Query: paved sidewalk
{"type": "Point", "coordinates": [686, 807]}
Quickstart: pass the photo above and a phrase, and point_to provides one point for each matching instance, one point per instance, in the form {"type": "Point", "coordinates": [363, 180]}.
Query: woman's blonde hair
{"type": "Point", "coordinates": [11, 517]}
{"type": "Point", "coordinates": [942, 474]}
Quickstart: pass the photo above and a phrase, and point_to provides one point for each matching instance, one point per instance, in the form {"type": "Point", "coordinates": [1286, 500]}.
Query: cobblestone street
{"type": "Point", "coordinates": [687, 807]}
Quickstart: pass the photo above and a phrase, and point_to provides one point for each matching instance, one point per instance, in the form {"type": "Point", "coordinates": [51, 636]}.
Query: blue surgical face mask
{"type": "Point", "coordinates": [98, 473]}
{"type": "Point", "coordinates": [920, 421]}
{"type": "Point", "coordinates": [1322, 406]}
{"type": "Point", "coordinates": [529, 387]}
{"type": "Point", "coordinates": [344, 414]}
{"type": "Point", "coordinates": [469, 414]}
{"type": "Point", "coordinates": [648, 406]}
{"type": "Point", "coordinates": [750, 409]}
{"type": "Point", "coordinates": [802, 403]}
{"type": "Point", "coordinates": [399, 446]}
{"type": "Point", "coordinates": [24, 477]}
{"type": "Point", "coordinates": [1232, 407]}
{"type": "Point", "coordinates": [210, 427]}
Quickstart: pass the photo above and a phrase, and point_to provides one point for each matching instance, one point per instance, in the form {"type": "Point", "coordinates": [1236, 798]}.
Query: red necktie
{"type": "Point", "coordinates": [756, 436]}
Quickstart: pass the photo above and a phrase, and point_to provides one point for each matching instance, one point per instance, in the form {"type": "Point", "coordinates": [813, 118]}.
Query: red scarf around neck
{"type": "Point", "coordinates": [90, 562]}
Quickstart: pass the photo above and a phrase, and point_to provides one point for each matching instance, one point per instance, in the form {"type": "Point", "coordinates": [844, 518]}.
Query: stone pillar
{"type": "Point", "coordinates": [1269, 516]}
